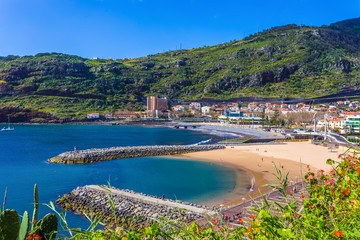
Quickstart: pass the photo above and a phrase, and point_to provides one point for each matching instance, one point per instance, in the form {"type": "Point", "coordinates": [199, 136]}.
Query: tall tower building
{"type": "Point", "coordinates": [155, 103]}
{"type": "Point", "coordinates": [162, 104]}
{"type": "Point", "coordinates": [152, 102]}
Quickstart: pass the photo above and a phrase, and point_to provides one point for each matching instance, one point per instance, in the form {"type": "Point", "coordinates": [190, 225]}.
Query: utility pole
{"type": "Point", "coordinates": [326, 118]}
{"type": "Point", "coordinates": [301, 174]}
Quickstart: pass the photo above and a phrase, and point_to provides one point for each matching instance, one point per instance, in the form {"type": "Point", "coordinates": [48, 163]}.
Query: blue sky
{"type": "Point", "coordinates": [135, 28]}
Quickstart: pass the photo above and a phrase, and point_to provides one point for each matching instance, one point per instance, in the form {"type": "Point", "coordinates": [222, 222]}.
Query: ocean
{"type": "Point", "coordinates": [23, 155]}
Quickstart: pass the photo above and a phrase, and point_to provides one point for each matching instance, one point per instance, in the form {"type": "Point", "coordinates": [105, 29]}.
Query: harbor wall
{"type": "Point", "coordinates": [94, 200]}
{"type": "Point", "coordinates": [105, 154]}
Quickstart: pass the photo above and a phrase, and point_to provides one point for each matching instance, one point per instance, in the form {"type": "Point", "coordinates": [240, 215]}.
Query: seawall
{"type": "Point", "coordinates": [105, 154]}
{"type": "Point", "coordinates": [94, 200]}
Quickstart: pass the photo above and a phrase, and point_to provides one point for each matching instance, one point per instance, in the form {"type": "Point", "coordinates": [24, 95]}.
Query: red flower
{"type": "Point", "coordinates": [252, 217]}
{"type": "Point", "coordinates": [347, 192]}
{"type": "Point", "coordinates": [200, 230]}
{"type": "Point", "coordinates": [33, 236]}
{"type": "Point", "coordinates": [339, 156]}
{"type": "Point", "coordinates": [310, 177]}
{"type": "Point", "coordinates": [338, 233]}
{"type": "Point", "coordinates": [302, 196]}
{"type": "Point", "coordinates": [214, 221]}
{"type": "Point", "coordinates": [358, 170]}
{"type": "Point", "coordinates": [249, 229]}
{"type": "Point", "coordinates": [288, 191]}
{"type": "Point", "coordinates": [240, 221]}
{"type": "Point", "coordinates": [331, 208]}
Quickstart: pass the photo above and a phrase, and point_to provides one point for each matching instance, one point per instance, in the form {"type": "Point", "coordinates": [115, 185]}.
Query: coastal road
{"type": "Point", "coordinates": [152, 200]}
{"type": "Point", "coordinates": [338, 138]}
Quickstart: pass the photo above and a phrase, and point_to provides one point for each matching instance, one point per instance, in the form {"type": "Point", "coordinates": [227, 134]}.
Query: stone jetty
{"type": "Point", "coordinates": [94, 199]}
{"type": "Point", "coordinates": [105, 154]}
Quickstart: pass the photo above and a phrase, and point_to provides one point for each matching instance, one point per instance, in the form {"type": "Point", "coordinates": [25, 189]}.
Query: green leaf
{"type": "Point", "coordinates": [330, 161]}
{"type": "Point", "coordinates": [9, 225]}
{"type": "Point", "coordinates": [24, 227]}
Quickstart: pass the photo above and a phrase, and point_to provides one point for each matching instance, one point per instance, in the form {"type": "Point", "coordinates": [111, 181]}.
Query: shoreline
{"type": "Point", "coordinates": [258, 162]}
{"type": "Point", "coordinates": [234, 194]}
{"type": "Point", "coordinates": [250, 161]}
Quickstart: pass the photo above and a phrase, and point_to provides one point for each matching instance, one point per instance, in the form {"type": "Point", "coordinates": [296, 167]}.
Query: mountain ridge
{"type": "Point", "coordinates": [285, 61]}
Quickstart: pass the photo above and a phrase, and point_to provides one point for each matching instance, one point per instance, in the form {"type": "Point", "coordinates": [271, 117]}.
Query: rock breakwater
{"type": "Point", "coordinates": [105, 154]}
{"type": "Point", "coordinates": [93, 199]}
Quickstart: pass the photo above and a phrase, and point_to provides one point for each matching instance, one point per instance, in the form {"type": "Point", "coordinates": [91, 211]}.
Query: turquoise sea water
{"type": "Point", "coordinates": [23, 155]}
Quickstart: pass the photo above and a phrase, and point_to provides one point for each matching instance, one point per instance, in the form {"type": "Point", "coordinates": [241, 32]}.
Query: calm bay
{"type": "Point", "coordinates": [23, 155]}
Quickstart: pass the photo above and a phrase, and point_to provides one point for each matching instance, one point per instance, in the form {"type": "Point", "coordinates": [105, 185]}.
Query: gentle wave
{"type": "Point", "coordinates": [202, 142]}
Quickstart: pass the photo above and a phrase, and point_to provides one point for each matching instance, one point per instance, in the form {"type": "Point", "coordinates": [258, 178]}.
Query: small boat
{"type": "Point", "coordinates": [8, 128]}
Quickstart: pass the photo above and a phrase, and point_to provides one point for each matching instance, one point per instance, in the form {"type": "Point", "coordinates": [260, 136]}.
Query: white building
{"type": "Point", "coordinates": [352, 123]}
{"type": "Point", "coordinates": [354, 104]}
{"type": "Point", "coordinates": [205, 110]}
{"type": "Point", "coordinates": [195, 105]}
{"type": "Point", "coordinates": [337, 123]}
{"type": "Point", "coordinates": [93, 115]}
{"type": "Point", "coordinates": [179, 108]}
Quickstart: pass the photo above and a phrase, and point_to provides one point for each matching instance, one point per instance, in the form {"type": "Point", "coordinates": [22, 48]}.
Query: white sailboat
{"type": "Point", "coordinates": [8, 128]}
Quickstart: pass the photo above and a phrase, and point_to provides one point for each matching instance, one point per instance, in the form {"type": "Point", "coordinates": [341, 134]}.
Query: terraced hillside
{"type": "Point", "coordinates": [287, 61]}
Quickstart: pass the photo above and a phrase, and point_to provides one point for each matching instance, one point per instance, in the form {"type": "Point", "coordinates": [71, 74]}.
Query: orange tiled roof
{"type": "Point", "coordinates": [350, 113]}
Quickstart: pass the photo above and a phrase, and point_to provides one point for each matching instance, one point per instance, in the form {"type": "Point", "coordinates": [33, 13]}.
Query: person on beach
{"type": "Point", "coordinates": [163, 197]}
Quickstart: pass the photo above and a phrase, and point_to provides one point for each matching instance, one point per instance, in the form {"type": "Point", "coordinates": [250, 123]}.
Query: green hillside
{"type": "Point", "coordinates": [287, 61]}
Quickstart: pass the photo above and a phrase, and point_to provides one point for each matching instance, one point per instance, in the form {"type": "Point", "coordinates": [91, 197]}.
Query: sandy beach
{"type": "Point", "coordinates": [257, 159]}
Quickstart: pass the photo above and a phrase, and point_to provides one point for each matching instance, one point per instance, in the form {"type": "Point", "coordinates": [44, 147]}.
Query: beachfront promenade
{"type": "Point", "coordinates": [105, 154]}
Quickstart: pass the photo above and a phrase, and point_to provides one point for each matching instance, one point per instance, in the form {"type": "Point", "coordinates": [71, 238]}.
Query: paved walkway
{"type": "Point", "coordinates": [244, 210]}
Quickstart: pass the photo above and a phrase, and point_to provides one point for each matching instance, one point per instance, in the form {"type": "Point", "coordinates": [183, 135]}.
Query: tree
{"type": "Point", "coordinates": [274, 118]}
{"type": "Point", "coordinates": [263, 117]}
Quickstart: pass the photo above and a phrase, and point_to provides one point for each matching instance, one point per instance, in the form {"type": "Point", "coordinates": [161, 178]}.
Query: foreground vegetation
{"type": "Point", "coordinates": [330, 210]}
